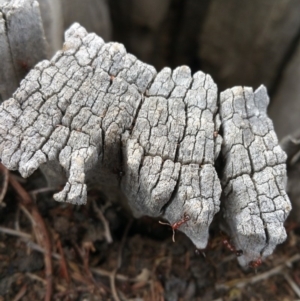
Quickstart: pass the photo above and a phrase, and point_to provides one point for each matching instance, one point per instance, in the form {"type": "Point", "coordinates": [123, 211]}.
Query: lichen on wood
{"type": "Point", "coordinates": [94, 111]}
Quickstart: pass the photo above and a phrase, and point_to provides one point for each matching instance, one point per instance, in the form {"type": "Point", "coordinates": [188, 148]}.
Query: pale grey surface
{"type": "Point", "coordinates": [94, 110]}
{"type": "Point", "coordinates": [171, 152]}
{"type": "Point", "coordinates": [8, 78]}
{"type": "Point", "coordinates": [255, 203]}
{"type": "Point", "coordinates": [52, 18]}
{"type": "Point", "coordinates": [22, 42]}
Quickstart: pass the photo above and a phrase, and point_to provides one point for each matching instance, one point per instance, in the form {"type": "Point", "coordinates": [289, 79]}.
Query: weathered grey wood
{"type": "Point", "coordinates": [94, 110]}
{"type": "Point", "coordinates": [174, 138]}
{"type": "Point", "coordinates": [255, 203]}
{"type": "Point", "coordinates": [8, 78]}
{"type": "Point", "coordinates": [52, 18]}
{"type": "Point", "coordinates": [92, 100]}
{"type": "Point", "coordinates": [24, 44]}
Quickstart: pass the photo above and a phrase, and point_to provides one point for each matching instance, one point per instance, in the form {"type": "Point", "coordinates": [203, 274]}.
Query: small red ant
{"type": "Point", "coordinates": [255, 263]}
{"type": "Point", "coordinates": [176, 225]}
{"type": "Point", "coordinates": [232, 248]}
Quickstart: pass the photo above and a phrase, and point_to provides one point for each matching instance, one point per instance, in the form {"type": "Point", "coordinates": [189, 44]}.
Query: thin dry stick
{"type": "Point", "coordinates": [21, 293]}
{"type": "Point", "coordinates": [113, 285]}
{"type": "Point", "coordinates": [40, 231]}
{"type": "Point", "coordinates": [17, 223]}
{"type": "Point", "coordinates": [27, 213]}
{"type": "Point", "coordinates": [105, 273]}
{"type": "Point", "coordinates": [15, 232]}
{"type": "Point", "coordinates": [97, 271]}
{"type": "Point", "coordinates": [42, 190]}
{"type": "Point", "coordinates": [105, 223]}
{"type": "Point", "coordinates": [5, 174]}
{"type": "Point", "coordinates": [63, 264]}
{"type": "Point", "coordinates": [112, 277]}
{"type": "Point", "coordinates": [292, 284]}
{"type": "Point", "coordinates": [276, 270]}
{"type": "Point", "coordinates": [123, 243]}
{"type": "Point", "coordinates": [84, 254]}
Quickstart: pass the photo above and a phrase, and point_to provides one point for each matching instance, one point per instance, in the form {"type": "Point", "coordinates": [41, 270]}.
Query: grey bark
{"type": "Point", "coordinates": [22, 42]}
{"type": "Point", "coordinates": [94, 108]}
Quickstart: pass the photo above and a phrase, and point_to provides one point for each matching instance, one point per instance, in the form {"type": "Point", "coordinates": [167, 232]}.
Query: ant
{"type": "Point", "coordinates": [111, 78]}
{"type": "Point", "coordinates": [176, 225]}
{"type": "Point", "coordinates": [255, 263]}
{"type": "Point", "coordinates": [231, 247]}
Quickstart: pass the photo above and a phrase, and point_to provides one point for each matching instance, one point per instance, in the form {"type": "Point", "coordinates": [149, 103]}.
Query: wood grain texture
{"type": "Point", "coordinates": [94, 111]}
{"type": "Point", "coordinates": [254, 175]}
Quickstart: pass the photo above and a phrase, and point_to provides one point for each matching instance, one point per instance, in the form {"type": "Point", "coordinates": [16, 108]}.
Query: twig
{"type": "Point", "coordinates": [292, 284]}
{"type": "Point", "coordinates": [27, 213]}
{"type": "Point", "coordinates": [21, 293]}
{"type": "Point", "coordinates": [97, 271]}
{"type": "Point", "coordinates": [104, 221]}
{"type": "Point", "coordinates": [39, 279]}
{"type": "Point", "coordinates": [63, 264]}
{"type": "Point", "coordinates": [105, 273]}
{"type": "Point", "coordinates": [41, 190]}
{"type": "Point", "coordinates": [5, 174]}
{"type": "Point", "coordinates": [38, 248]}
{"type": "Point", "coordinates": [36, 278]}
{"type": "Point", "coordinates": [123, 243]}
{"type": "Point", "coordinates": [40, 231]}
{"type": "Point", "coordinates": [17, 223]}
{"type": "Point", "coordinates": [112, 277]}
{"type": "Point", "coordinates": [84, 254]}
{"type": "Point", "coordinates": [112, 282]}
{"type": "Point", "coordinates": [15, 232]}
{"type": "Point", "coordinates": [276, 270]}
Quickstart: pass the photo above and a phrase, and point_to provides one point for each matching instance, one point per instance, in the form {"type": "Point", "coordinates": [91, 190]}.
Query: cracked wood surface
{"type": "Point", "coordinates": [254, 176]}
{"type": "Point", "coordinates": [94, 110]}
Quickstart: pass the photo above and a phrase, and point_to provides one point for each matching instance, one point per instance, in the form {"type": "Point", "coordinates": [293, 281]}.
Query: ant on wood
{"type": "Point", "coordinates": [176, 225]}
{"type": "Point", "coordinates": [255, 263]}
{"type": "Point", "coordinates": [231, 247]}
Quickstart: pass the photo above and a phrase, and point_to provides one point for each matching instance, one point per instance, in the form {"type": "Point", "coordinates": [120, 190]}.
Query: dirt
{"type": "Point", "coordinates": [141, 263]}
